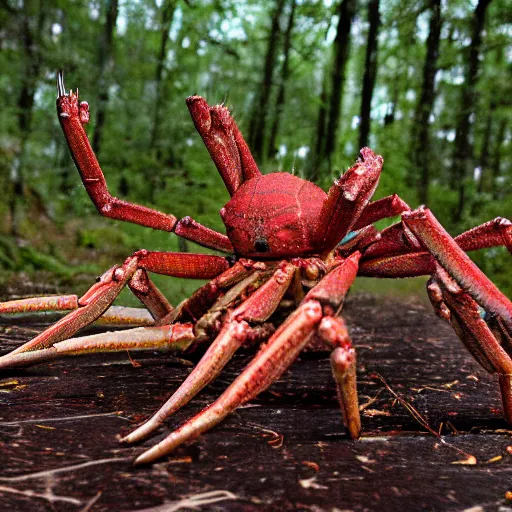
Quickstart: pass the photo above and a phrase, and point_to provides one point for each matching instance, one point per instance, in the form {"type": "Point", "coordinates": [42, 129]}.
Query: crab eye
{"type": "Point", "coordinates": [261, 245]}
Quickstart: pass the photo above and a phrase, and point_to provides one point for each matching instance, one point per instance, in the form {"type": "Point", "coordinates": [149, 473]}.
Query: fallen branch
{"type": "Point", "coordinates": [194, 501]}
{"type": "Point", "coordinates": [48, 496]}
{"type": "Point", "coordinates": [65, 469]}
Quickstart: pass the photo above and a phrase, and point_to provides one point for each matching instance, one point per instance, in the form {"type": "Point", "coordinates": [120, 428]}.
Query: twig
{"type": "Point", "coordinates": [65, 469]}
{"type": "Point", "coordinates": [421, 420]}
{"type": "Point", "coordinates": [91, 502]}
{"type": "Point", "coordinates": [63, 418]}
{"type": "Point", "coordinates": [195, 501]}
{"type": "Point", "coordinates": [370, 401]}
{"type": "Point", "coordinates": [48, 496]}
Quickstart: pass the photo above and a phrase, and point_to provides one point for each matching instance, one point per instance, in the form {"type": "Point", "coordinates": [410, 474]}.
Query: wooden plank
{"type": "Point", "coordinates": [286, 450]}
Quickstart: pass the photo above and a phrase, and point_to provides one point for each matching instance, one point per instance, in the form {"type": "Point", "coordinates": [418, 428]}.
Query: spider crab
{"type": "Point", "coordinates": [289, 242]}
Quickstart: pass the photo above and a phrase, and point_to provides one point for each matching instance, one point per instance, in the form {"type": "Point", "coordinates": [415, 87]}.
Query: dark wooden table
{"type": "Point", "coordinates": [286, 450]}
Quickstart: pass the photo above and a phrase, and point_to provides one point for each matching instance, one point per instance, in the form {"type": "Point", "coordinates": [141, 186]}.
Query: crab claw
{"type": "Point", "coordinates": [67, 104]}
{"type": "Point", "coordinates": [61, 90]}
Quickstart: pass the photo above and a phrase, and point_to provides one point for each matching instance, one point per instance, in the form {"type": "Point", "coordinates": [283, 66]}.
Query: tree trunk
{"type": "Point", "coordinates": [370, 72]}
{"type": "Point", "coordinates": [463, 152]}
{"type": "Point", "coordinates": [321, 125]}
{"type": "Point", "coordinates": [285, 70]}
{"type": "Point", "coordinates": [483, 180]}
{"type": "Point", "coordinates": [32, 22]}
{"type": "Point", "coordinates": [496, 164]}
{"type": "Point", "coordinates": [421, 155]}
{"type": "Point", "coordinates": [346, 11]}
{"type": "Point", "coordinates": [258, 121]}
{"type": "Point", "coordinates": [105, 58]}
{"type": "Point", "coordinates": [168, 10]}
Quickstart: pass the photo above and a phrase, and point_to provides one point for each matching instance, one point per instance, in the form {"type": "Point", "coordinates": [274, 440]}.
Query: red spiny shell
{"type": "Point", "coordinates": [273, 216]}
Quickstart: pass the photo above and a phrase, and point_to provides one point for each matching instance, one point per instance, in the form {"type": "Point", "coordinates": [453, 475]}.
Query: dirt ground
{"type": "Point", "coordinates": [433, 439]}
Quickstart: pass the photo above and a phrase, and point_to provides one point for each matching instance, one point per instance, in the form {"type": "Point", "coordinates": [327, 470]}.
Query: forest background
{"type": "Point", "coordinates": [424, 83]}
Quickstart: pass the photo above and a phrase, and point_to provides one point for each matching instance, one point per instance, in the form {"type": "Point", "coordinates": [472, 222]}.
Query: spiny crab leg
{"type": "Point", "coordinates": [389, 206]}
{"type": "Point", "coordinates": [144, 289]}
{"type": "Point", "coordinates": [203, 298]}
{"type": "Point", "coordinates": [123, 316]}
{"type": "Point", "coordinates": [236, 331]}
{"type": "Point", "coordinates": [224, 142]}
{"type": "Point", "coordinates": [348, 197]}
{"type": "Point", "coordinates": [395, 254]}
{"type": "Point", "coordinates": [458, 307]}
{"type": "Point", "coordinates": [343, 365]}
{"type": "Point", "coordinates": [101, 295]}
{"type": "Point", "coordinates": [177, 337]}
{"type": "Point", "coordinates": [39, 304]}
{"type": "Point", "coordinates": [271, 361]}
{"type": "Point", "coordinates": [493, 233]}
{"type": "Point", "coordinates": [115, 315]}
{"type": "Point", "coordinates": [267, 366]}
{"type": "Point", "coordinates": [458, 264]}
{"type": "Point", "coordinates": [72, 116]}
{"type": "Point", "coordinates": [174, 338]}
{"type": "Point", "coordinates": [94, 303]}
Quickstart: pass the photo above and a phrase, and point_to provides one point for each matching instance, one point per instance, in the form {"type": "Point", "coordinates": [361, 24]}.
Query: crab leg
{"type": "Point", "coordinates": [115, 315]}
{"type": "Point", "coordinates": [358, 241]}
{"type": "Point", "coordinates": [267, 366]}
{"type": "Point", "coordinates": [236, 331]}
{"type": "Point", "coordinates": [144, 289]}
{"type": "Point", "coordinates": [191, 230]}
{"type": "Point", "coordinates": [140, 284]}
{"type": "Point", "coordinates": [389, 206]}
{"type": "Point", "coordinates": [93, 304]}
{"type": "Point", "coordinates": [72, 117]}
{"type": "Point", "coordinates": [179, 264]}
{"type": "Point", "coordinates": [101, 295]}
{"type": "Point", "coordinates": [343, 364]}
{"type": "Point", "coordinates": [176, 338]}
{"type": "Point", "coordinates": [224, 142]}
{"type": "Point", "coordinates": [271, 362]}
{"type": "Point", "coordinates": [39, 304]}
{"type": "Point", "coordinates": [126, 316]}
{"type": "Point", "coordinates": [463, 313]}
{"type": "Point", "coordinates": [458, 264]}
{"type": "Point", "coordinates": [443, 293]}
{"type": "Point", "coordinates": [203, 298]}
{"type": "Point", "coordinates": [494, 233]}
{"type": "Point", "coordinates": [348, 197]}
{"type": "Point", "coordinates": [395, 254]}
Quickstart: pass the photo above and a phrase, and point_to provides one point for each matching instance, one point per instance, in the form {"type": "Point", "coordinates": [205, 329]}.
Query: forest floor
{"type": "Point", "coordinates": [433, 433]}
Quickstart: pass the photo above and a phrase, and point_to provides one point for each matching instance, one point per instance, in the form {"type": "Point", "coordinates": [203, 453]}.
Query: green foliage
{"type": "Point", "coordinates": [217, 49]}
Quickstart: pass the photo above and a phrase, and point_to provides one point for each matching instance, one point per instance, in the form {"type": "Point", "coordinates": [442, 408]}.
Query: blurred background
{"type": "Point", "coordinates": [424, 83]}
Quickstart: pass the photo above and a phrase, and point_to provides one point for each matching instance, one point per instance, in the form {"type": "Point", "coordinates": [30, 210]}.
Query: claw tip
{"type": "Point", "coordinates": [61, 91]}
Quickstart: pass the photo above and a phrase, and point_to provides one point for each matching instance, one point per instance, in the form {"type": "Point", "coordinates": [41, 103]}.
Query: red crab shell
{"type": "Point", "coordinates": [260, 226]}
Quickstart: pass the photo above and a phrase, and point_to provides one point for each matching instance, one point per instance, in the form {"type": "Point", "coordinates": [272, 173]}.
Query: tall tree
{"type": "Point", "coordinates": [257, 125]}
{"type": "Point", "coordinates": [285, 71]}
{"type": "Point", "coordinates": [31, 15]}
{"type": "Point", "coordinates": [321, 125]}
{"type": "Point", "coordinates": [486, 148]}
{"type": "Point", "coordinates": [496, 164]}
{"type": "Point", "coordinates": [421, 129]}
{"type": "Point", "coordinates": [168, 10]}
{"type": "Point", "coordinates": [370, 71]}
{"type": "Point", "coordinates": [105, 58]}
{"type": "Point", "coordinates": [463, 152]}
{"type": "Point", "coordinates": [346, 11]}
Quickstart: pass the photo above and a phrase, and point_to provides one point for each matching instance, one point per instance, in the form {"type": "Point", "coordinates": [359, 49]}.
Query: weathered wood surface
{"type": "Point", "coordinates": [285, 451]}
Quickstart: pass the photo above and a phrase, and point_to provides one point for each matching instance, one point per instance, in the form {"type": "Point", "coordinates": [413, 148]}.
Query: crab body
{"type": "Point", "coordinates": [293, 244]}
{"type": "Point", "coordinates": [274, 216]}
